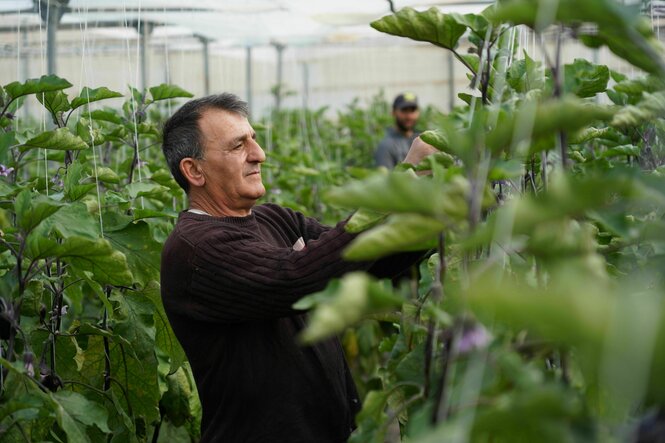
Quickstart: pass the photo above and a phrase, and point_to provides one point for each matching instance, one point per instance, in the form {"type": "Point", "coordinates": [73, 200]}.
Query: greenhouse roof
{"type": "Point", "coordinates": [234, 23]}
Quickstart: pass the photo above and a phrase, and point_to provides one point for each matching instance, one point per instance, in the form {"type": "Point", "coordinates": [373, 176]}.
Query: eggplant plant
{"type": "Point", "coordinates": [539, 315]}
{"type": "Point", "coordinates": [87, 351]}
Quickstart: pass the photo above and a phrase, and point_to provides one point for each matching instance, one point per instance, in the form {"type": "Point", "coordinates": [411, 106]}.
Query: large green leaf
{"type": "Point", "coordinates": [34, 85]}
{"type": "Point", "coordinates": [646, 54]}
{"type": "Point", "coordinates": [585, 79]}
{"type": "Point", "coordinates": [74, 190]}
{"type": "Point", "coordinates": [475, 22]}
{"type": "Point", "coordinates": [364, 219]}
{"type": "Point", "coordinates": [567, 115]}
{"type": "Point", "coordinates": [74, 220]}
{"type": "Point", "coordinates": [136, 386]}
{"type": "Point", "coordinates": [75, 413]}
{"type": "Point", "coordinates": [547, 414]}
{"type": "Point", "coordinates": [86, 255]}
{"type": "Point", "coordinates": [400, 192]}
{"type": "Point", "coordinates": [175, 401]}
{"type": "Point", "coordinates": [357, 295]}
{"type": "Point", "coordinates": [371, 419]}
{"type": "Point", "coordinates": [619, 27]}
{"type": "Point", "coordinates": [89, 95]}
{"type": "Point", "coordinates": [650, 108]}
{"type": "Point", "coordinates": [503, 170]}
{"type": "Point", "coordinates": [428, 26]}
{"type": "Point", "coordinates": [54, 101]}
{"type": "Point", "coordinates": [142, 189]}
{"type": "Point", "coordinates": [402, 232]}
{"type": "Point", "coordinates": [31, 209]}
{"type": "Point", "coordinates": [620, 328]}
{"type": "Point", "coordinates": [135, 241]}
{"type": "Point", "coordinates": [165, 339]}
{"type": "Point", "coordinates": [134, 321]}
{"type": "Point", "coordinates": [165, 92]}
{"type": "Point", "coordinates": [526, 75]}
{"type": "Point", "coordinates": [59, 139]}
{"type": "Point", "coordinates": [106, 115]}
{"type": "Point", "coordinates": [621, 151]}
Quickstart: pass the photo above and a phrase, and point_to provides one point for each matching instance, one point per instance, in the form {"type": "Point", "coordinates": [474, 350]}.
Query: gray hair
{"type": "Point", "coordinates": [181, 135]}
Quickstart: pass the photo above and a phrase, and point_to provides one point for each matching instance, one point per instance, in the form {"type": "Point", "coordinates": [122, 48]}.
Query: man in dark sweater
{"type": "Point", "coordinates": [231, 272]}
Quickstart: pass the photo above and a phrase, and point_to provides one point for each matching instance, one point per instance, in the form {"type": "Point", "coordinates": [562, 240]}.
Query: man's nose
{"type": "Point", "coordinates": [256, 153]}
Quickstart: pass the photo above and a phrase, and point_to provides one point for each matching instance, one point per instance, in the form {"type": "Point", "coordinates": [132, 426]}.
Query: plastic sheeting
{"type": "Point", "coordinates": [236, 23]}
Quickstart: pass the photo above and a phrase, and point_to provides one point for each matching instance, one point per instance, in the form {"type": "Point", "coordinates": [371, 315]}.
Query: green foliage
{"type": "Point", "coordinates": [89, 95]}
{"type": "Point", "coordinates": [430, 26]}
{"type": "Point", "coordinates": [47, 83]}
{"type": "Point", "coordinates": [538, 317]}
{"type": "Point", "coordinates": [80, 265]}
{"type": "Point", "coordinates": [59, 139]}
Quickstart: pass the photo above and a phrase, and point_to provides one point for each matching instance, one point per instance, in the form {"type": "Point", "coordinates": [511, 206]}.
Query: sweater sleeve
{"type": "Point", "coordinates": [234, 279]}
{"type": "Point", "coordinates": [387, 267]}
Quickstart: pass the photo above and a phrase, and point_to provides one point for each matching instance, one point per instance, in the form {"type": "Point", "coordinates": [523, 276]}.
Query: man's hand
{"type": "Point", "coordinates": [418, 151]}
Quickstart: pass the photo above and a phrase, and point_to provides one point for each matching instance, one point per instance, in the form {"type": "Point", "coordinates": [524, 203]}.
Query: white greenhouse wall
{"type": "Point", "coordinates": [336, 74]}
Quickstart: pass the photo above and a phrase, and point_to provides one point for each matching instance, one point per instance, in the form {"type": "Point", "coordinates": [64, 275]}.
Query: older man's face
{"type": "Point", "coordinates": [231, 159]}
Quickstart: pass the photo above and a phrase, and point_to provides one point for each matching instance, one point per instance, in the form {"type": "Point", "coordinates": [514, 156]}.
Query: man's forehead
{"type": "Point", "coordinates": [219, 123]}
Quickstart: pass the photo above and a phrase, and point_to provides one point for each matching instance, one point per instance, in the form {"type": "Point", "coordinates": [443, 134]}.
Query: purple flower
{"type": "Point", "coordinates": [56, 180]}
{"type": "Point", "coordinates": [5, 171]}
{"type": "Point", "coordinates": [63, 310]}
{"type": "Point", "coordinates": [473, 337]}
{"type": "Point", "coordinates": [28, 362]}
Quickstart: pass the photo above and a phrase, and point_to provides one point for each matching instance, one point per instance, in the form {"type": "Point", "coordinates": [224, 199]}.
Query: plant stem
{"type": "Point", "coordinates": [2, 113]}
{"type": "Point", "coordinates": [107, 352]}
{"type": "Point", "coordinates": [485, 77]}
{"type": "Point", "coordinates": [429, 345]}
{"type": "Point", "coordinates": [437, 294]}
{"type": "Point", "coordinates": [543, 169]}
{"type": "Point", "coordinates": [464, 62]}
{"type": "Point", "coordinates": [158, 426]}
{"type": "Point", "coordinates": [135, 162]}
{"type": "Point", "coordinates": [439, 398]}
{"type": "Point", "coordinates": [565, 369]}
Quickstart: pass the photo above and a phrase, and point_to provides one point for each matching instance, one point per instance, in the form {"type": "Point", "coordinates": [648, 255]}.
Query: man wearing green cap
{"type": "Point", "coordinates": [397, 141]}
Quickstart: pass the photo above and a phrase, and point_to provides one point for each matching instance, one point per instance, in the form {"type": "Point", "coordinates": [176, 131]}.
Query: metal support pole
{"type": "Point", "coordinates": [52, 11]}
{"type": "Point", "coordinates": [206, 65]}
{"type": "Point", "coordinates": [451, 81]}
{"type": "Point", "coordinates": [280, 75]}
{"type": "Point", "coordinates": [25, 69]}
{"type": "Point", "coordinates": [305, 83]}
{"type": "Point", "coordinates": [144, 30]}
{"type": "Point", "coordinates": [51, 35]}
{"type": "Point", "coordinates": [248, 80]}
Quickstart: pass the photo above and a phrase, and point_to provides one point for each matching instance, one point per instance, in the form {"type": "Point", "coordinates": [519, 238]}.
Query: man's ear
{"type": "Point", "coordinates": [191, 169]}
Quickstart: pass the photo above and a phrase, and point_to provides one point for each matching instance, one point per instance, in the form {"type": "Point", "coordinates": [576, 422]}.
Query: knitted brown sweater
{"type": "Point", "coordinates": [228, 285]}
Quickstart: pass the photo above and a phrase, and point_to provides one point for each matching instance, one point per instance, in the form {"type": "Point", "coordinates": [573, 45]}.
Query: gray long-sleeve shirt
{"type": "Point", "coordinates": [393, 148]}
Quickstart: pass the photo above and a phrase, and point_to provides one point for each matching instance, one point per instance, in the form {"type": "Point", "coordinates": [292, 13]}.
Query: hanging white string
{"type": "Point", "coordinates": [84, 33]}
{"type": "Point", "coordinates": [127, 73]}
{"type": "Point", "coordinates": [139, 42]}
{"type": "Point", "coordinates": [167, 72]}
{"type": "Point", "coordinates": [131, 96]}
{"type": "Point", "coordinates": [43, 69]}
{"type": "Point", "coordinates": [18, 62]}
